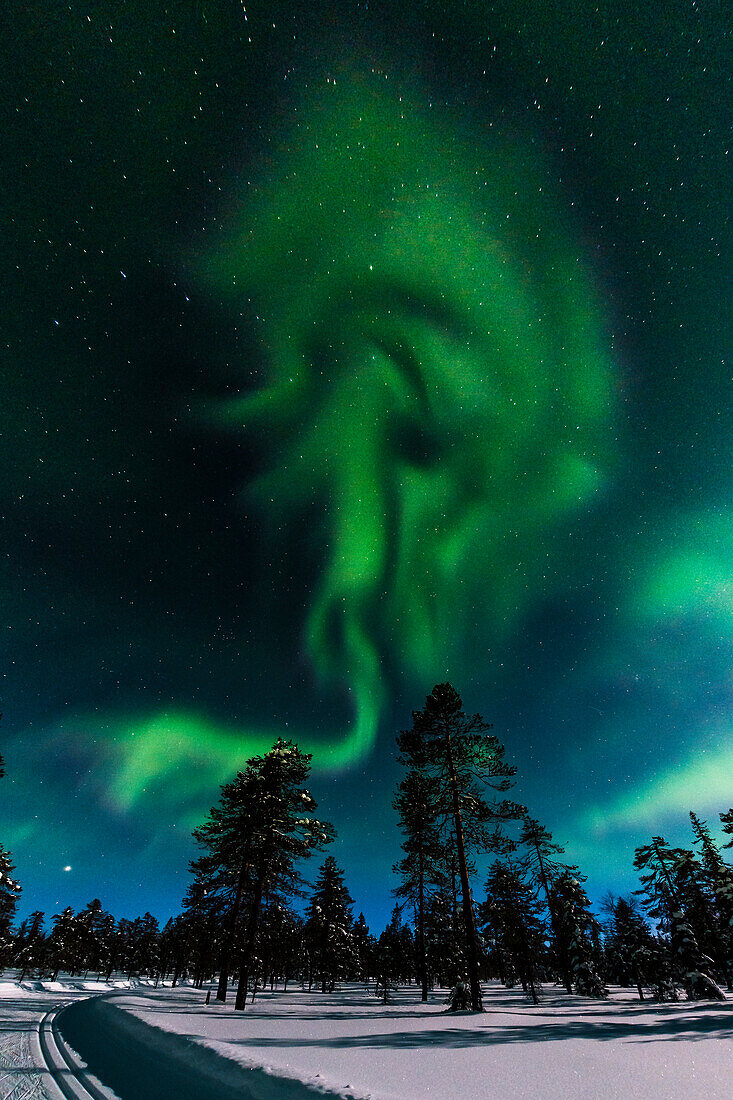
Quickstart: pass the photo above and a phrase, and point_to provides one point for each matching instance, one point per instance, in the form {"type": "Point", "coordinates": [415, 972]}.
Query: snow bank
{"type": "Point", "coordinates": [348, 1044]}
{"type": "Point", "coordinates": [136, 1057]}
{"type": "Point", "coordinates": [12, 989]}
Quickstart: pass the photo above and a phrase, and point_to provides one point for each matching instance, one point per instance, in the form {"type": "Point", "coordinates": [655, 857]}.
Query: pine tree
{"type": "Point", "coordinates": [389, 956]}
{"type": "Point", "coordinates": [364, 945]}
{"type": "Point", "coordinates": [9, 893]}
{"type": "Point", "coordinates": [229, 835]}
{"type": "Point", "coordinates": [545, 870]}
{"type": "Point", "coordinates": [574, 923]}
{"type": "Point", "coordinates": [719, 877]}
{"type": "Point", "coordinates": [630, 947]}
{"type": "Point", "coordinates": [514, 924]}
{"type": "Point", "coordinates": [417, 803]}
{"type": "Point", "coordinates": [62, 943]}
{"type": "Point", "coordinates": [727, 823]}
{"type": "Point", "coordinates": [254, 837]}
{"type": "Point", "coordinates": [29, 945]}
{"type": "Point", "coordinates": [282, 833]}
{"type": "Point", "coordinates": [664, 901]}
{"type": "Point", "coordinates": [700, 911]}
{"type": "Point", "coordinates": [328, 926]}
{"type": "Point", "coordinates": [465, 759]}
{"type": "Point", "coordinates": [143, 947]}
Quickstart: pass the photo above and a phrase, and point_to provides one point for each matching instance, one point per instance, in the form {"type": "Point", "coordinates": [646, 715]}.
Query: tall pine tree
{"type": "Point", "coordinates": [459, 752]}
{"type": "Point", "coordinates": [254, 838]}
{"type": "Point", "coordinates": [417, 803]}
{"type": "Point", "coordinates": [545, 870]}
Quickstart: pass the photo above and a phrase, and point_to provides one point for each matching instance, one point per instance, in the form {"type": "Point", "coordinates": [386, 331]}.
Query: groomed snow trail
{"type": "Point", "coordinates": [35, 1062]}
{"type": "Point", "coordinates": [33, 1065]}
{"type": "Point", "coordinates": [20, 1074]}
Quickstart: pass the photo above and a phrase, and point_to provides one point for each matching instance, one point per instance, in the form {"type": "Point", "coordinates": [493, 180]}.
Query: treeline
{"type": "Point", "coordinates": [250, 919]}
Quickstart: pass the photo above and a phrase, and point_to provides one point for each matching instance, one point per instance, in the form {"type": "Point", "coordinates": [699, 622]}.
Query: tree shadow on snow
{"type": "Point", "coordinates": [670, 1028]}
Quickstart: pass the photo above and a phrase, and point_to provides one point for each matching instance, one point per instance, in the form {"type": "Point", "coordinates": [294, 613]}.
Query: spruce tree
{"type": "Point", "coordinates": [719, 876]}
{"type": "Point", "coordinates": [9, 893]}
{"type": "Point", "coordinates": [29, 945]}
{"type": "Point", "coordinates": [390, 955]}
{"type": "Point", "coordinates": [574, 927]}
{"type": "Point", "coordinates": [202, 934]}
{"type": "Point", "coordinates": [445, 937]}
{"type": "Point", "coordinates": [631, 953]}
{"type": "Point", "coordinates": [465, 759]}
{"type": "Point", "coordinates": [700, 910]}
{"type": "Point", "coordinates": [280, 943]}
{"type": "Point", "coordinates": [90, 924]}
{"type": "Point", "coordinates": [62, 943]}
{"type": "Point", "coordinates": [364, 944]}
{"type": "Point", "coordinates": [514, 924]}
{"type": "Point", "coordinates": [664, 900]}
{"type": "Point", "coordinates": [328, 927]}
{"type": "Point", "coordinates": [726, 820]}
{"type": "Point", "coordinates": [143, 951]}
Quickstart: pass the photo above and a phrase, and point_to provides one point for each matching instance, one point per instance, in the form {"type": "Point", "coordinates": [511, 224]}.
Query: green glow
{"type": "Point", "coordinates": [701, 782]}
{"type": "Point", "coordinates": [695, 575]}
{"type": "Point", "coordinates": [174, 756]}
{"type": "Point", "coordinates": [436, 378]}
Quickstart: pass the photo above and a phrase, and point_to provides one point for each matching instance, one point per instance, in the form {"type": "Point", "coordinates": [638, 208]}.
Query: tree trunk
{"type": "Point", "coordinates": [232, 918]}
{"type": "Point", "coordinates": [554, 924]}
{"type": "Point", "coordinates": [252, 922]}
{"type": "Point", "coordinates": [468, 917]}
{"type": "Point", "coordinates": [421, 953]}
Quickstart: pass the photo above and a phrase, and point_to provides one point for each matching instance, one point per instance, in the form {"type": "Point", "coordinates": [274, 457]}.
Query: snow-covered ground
{"type": "Point", "coordinates": [350, 1045]}
{"type": "Point", "coordinates": [25, 1073]}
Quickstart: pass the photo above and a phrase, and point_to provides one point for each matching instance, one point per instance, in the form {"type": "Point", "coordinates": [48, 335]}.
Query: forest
{"type": "Point", "coordinates": [250, 918]}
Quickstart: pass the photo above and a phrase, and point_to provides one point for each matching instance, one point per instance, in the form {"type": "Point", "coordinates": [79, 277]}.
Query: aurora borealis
{"type": "Point", "coordinates": [351, 351]}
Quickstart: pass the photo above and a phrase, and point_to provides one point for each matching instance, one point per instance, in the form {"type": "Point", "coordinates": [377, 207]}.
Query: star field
{"type": "Point", "coordinates": [349, 350]}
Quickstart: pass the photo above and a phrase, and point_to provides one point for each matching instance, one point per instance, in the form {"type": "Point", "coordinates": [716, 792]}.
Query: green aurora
{"type": "Point", "coordinates": [461, 276]}
{"type": "Point", "coordinates": [438, 396]}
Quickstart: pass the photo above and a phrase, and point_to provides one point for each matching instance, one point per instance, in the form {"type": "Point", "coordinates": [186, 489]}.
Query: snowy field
{"type": "Point", "coordinates": [348, 1044]}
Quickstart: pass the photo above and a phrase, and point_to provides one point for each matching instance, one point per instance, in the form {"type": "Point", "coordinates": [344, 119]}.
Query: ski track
{"type": "Point", "coordinates": [20, 1077]}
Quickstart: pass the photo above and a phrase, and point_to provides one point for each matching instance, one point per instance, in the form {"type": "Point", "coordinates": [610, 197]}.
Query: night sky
{"type": "Point", "coordinates": [350, 348]}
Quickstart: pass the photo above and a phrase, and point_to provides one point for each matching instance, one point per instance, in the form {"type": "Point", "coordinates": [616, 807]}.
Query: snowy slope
{"type": "Point", "coordinates": [350, 1045]}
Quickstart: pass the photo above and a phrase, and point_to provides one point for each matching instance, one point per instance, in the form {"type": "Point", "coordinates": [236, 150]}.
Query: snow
{"type": "Point", "coordinates": [348, 1044]}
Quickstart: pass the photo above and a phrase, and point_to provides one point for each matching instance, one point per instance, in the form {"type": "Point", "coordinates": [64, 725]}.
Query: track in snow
{"type": "Point", "coordinates": [67, 1072]}
{"type": "Point", "coordinates": [20, 1076]}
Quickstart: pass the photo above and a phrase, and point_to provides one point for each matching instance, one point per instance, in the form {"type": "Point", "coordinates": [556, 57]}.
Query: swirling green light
{"type": "Point", "coordinates": [436, 376]}
{"type": "Point", "coordinates": [436, 382]}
